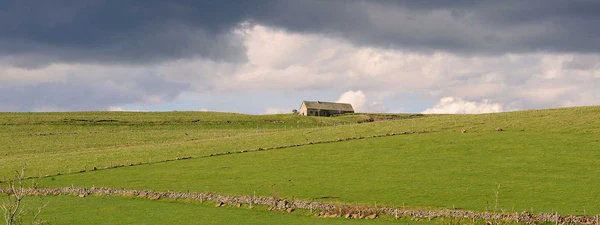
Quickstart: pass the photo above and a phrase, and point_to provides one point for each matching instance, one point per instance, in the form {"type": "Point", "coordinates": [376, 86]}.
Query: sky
{"type": "Point", "coordinates": [265, 57]}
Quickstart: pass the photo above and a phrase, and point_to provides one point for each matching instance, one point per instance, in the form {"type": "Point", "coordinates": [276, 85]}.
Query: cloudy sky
{"type": "Point", "coordinates": [267, 56]}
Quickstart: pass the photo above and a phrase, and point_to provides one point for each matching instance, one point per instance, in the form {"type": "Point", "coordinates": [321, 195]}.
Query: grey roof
{"type": "Point", "coordinates": [328, 106]}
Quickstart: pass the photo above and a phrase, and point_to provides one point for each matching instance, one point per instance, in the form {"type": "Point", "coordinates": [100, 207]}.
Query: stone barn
{"type": "Point", "coordinates": [319, 108]}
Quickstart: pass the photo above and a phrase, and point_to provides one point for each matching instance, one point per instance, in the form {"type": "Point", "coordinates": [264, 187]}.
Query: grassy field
{"type": "Point", "coordinates": [543, 160]}
{"type": "Point", "coordinates": [51, 145]}
{"type": "Point", "coordinates": [119, 210]}
{"type": "Point", "coordinates": [69, 142]}
{"type": "Point", "coordinates": [555, 172]}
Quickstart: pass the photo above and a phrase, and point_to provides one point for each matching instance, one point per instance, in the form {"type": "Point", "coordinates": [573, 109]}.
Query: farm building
{"type": "Point", "coordinates": [318, 108]}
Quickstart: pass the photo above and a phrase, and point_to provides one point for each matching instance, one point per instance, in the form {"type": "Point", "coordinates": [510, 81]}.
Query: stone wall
{"type": "Point", "coordinates": [322, 209]}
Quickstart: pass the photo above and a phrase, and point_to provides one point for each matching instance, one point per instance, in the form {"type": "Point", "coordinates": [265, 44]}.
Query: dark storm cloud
{"type": "Point", "coordinates": [154, 31]}
{"type": "Point", "coordinates": [455, 26]}
{"type": "Point", "coordinates": [136, 35]}
{"type": "Point", "coordinates": [120, 31]}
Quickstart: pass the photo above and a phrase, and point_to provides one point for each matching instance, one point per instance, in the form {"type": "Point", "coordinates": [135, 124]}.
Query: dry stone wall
{"type": "Point", "coordinates": [322, 209]}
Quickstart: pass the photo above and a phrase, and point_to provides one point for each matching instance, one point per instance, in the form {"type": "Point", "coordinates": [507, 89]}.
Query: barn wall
{"type": "Point", "coordinates": [303, 110]}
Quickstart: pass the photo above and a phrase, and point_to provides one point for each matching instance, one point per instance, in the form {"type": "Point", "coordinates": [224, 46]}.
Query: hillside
{"type": "Point", "coordinates": [539, 160]}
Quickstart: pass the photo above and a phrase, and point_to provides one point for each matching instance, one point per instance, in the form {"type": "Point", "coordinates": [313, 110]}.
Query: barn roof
{"type": "Point", "coordinates": [328, 105]}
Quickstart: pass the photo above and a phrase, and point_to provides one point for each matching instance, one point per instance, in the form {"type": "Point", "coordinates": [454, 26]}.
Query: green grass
{"type": "Point", "coordinates": [544, 159]}
{"type": "Point", "coordinates": [120, 210]}
{"type": "Point", "coordinates": [70, 146]}
{"type": "Point", "coordinates": [541, 170]}
{"type": "Point", "coordinates": [68, 142]}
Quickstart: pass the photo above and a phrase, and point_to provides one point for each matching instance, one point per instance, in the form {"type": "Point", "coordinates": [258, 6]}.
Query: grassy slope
{"type": "Point", "coordinates": [61, 142]}
{"type": "Point", "coordinates": [462, 170]}
{"type": "Point", "coordinates": [543, 159]}
{"type": "Point", "coordinates": [68, 142]}
{"type": "Point", "coordinates": [118, 210]}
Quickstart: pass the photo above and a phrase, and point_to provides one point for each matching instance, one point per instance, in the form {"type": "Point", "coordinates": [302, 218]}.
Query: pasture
{"type": "Point", "coordinates": [549, 172]}
{"type": "Point", "coordinates": [119, 210]}
{"type": "Point", "coordinates": [538, 160]}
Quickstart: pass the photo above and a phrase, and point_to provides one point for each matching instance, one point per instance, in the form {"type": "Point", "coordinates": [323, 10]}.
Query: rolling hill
{"type": "Point", "coordinates": [536, 161]}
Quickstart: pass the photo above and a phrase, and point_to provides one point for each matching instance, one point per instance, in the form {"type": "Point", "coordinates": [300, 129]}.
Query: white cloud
{"type": "Point", "coordinates": [450, 105]}
{"type": "Point", "coordinates": [284, 62]}
{"type": "Point", "coordinates": [358, 99]}
{"type": "Point", "coordinates": [21, 76]}
{"type": "Point", "coordinates": [118, 109]}
{"type": "Point", "coordinates": [273, 110]}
